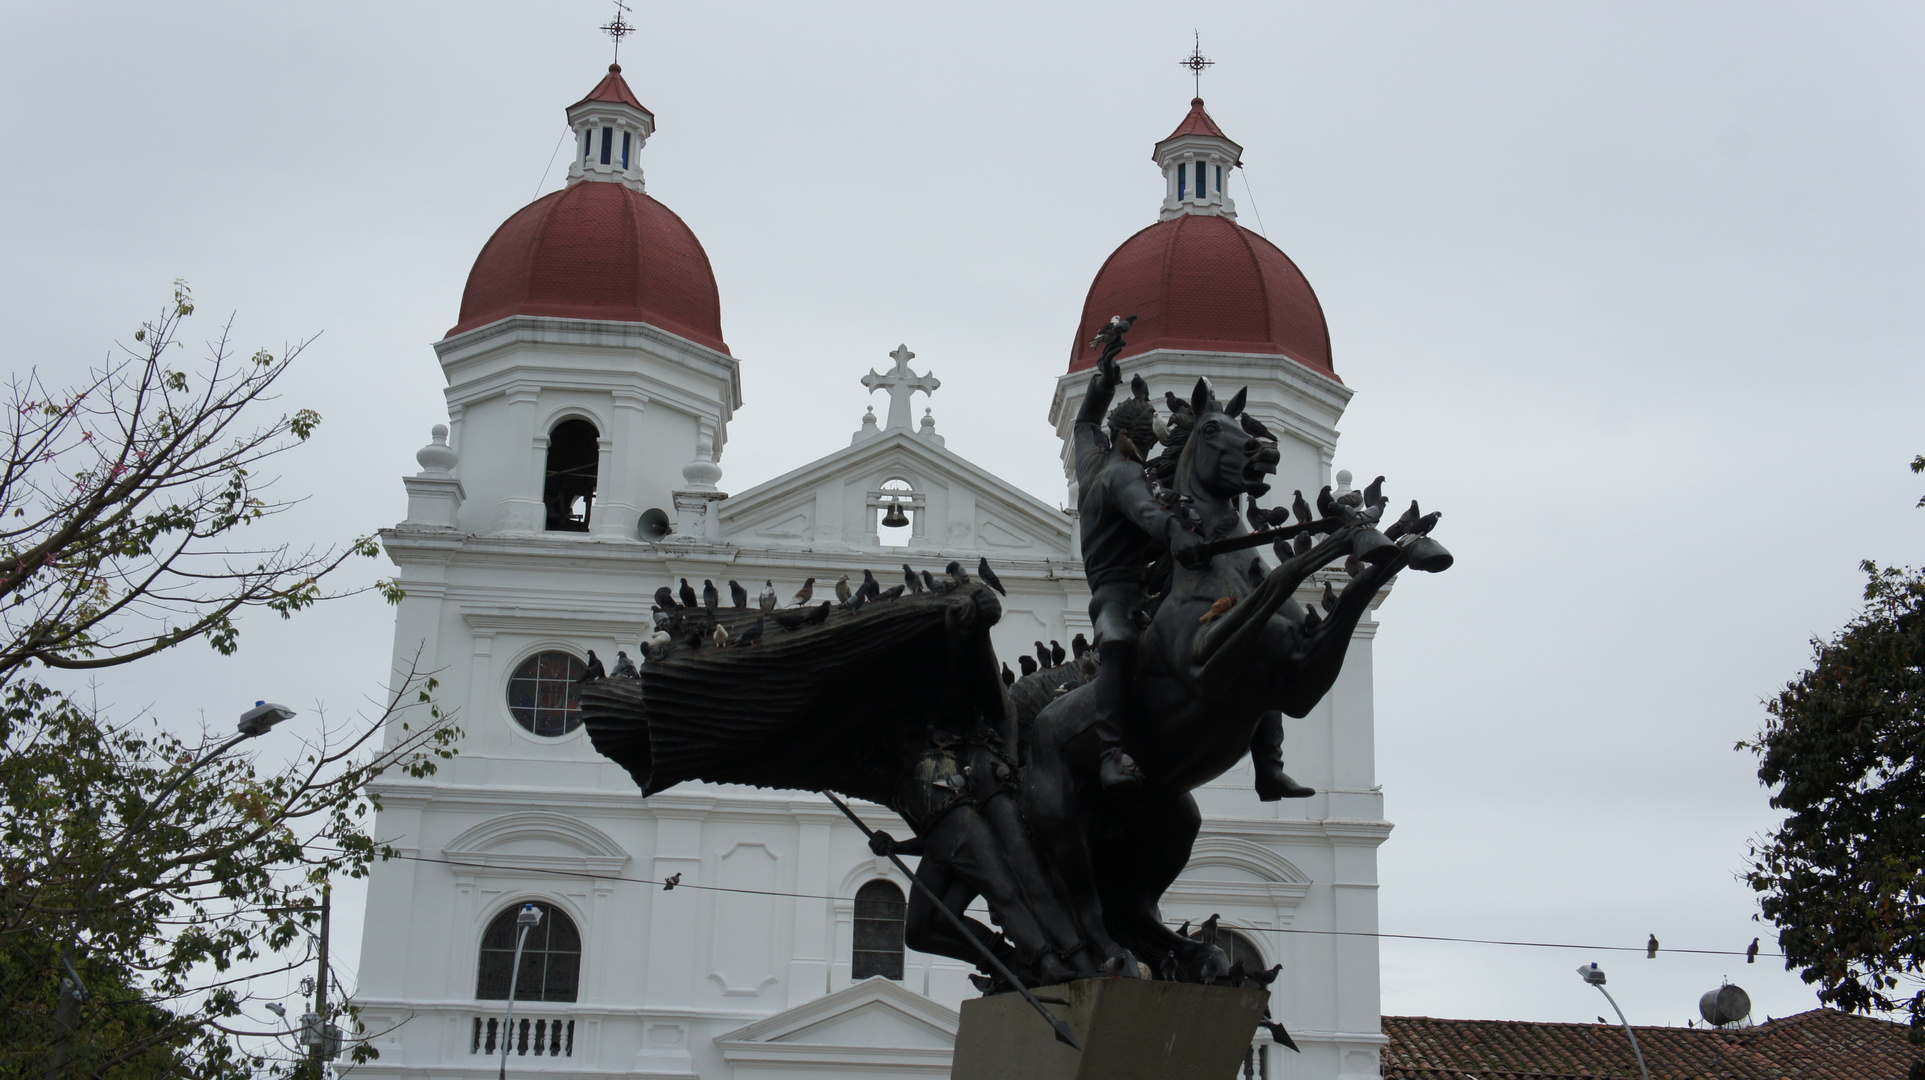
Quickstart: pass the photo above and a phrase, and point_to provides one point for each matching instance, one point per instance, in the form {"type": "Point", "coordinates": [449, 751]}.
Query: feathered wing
{"type": "Point", "coordinates": [844, 706]}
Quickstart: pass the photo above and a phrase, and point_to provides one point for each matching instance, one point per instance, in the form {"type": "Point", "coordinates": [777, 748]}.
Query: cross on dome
{"type": "Point", "coordinates": [619, 28]}
{"type": "Point", "coordinates": [1196, 62]}
{"type": "Point", "coordinates": [901, 382]}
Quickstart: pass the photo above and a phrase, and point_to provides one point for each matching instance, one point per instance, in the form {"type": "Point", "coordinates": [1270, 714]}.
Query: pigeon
{"type": "Point", "coordinates": [870, 587]}
{"type": "Point", "coordinates": [738, 596]}
{"type": "Point", "coordinates": [989, 576]}
{"type": "Point", "coordinates": [1055, 653]}
{"type": "Point", "coordinates": [1027, 663]}
{"type": "Point", "coordinates": [750, 636]}
{"type": "Point", "coordinates": [1326, 503]}
{"type": "Point", "coordinates": [1126, 446]}
{"type": "Point", "coordinates": [665, 598]}
{"type": "Point", "coordinates": [1329, 600]}
{"type": "Point", "coordinates": [1184, 930]}
{"type": "Point", "coordinates": [1207, 932]}
{"type": "Point", "coordinates": [1139, 389]}
{"type": "Point", "coordinates": [915, 583]}
{"type": "Point", "coordinates": [1009, 679]}
{"type": "Point", "coordinates": [956, 574]}
{"type": "Point", "coordinates": [1651, 948]}
{"type": "Point", "coordinates": [820, 614]}
{"type": "Point", "coordinates": [1167, 969]}
{"type": "Point", "coordinates": [1352, 499]}
{"type": "Point", "coordinates": [1117, 966]}
{"type": "Point", "coordinates": [803, 595]}
{"type": "Point", "coordinates": [1078, 645]}
{"type": "Point", "coordinates": [1374, 493]}
{"type": "Point", "coordinates": [891, 592]}
{"type": "Point", "coordinates": [720, 636]}
{"type": "Point", "coordinates": [1300, 508]}
{"type": "Point", "coordinates": [1176, 405]}
{"type": "Point", "coordinates": [710, 598]}
{"type": "Point", "coordinates": [855, 602]}
{"type": "Point", "coordinates": [1427, 523]}
{"type": "Point", "coordinates": [656, 646]}
{"type": "Point", "coordinates": [1406, 523]}
{"type": "Point", "coordinates": [1751, 954]}
{"type": "Point", "coordinates": [669, 882]}
{"type": "Point", "coordinates": [1111, 331]}
{"type": "Point", "coordinates": [1602, 1020]}
{"type": "Point", "coordinates": [624, 667]}
{"type": "Point", "coordinates": [766, 601]}
{"type": "Point", "coordinates": [1254, 427]}
{"type": "Point", "coordinates": [930, 583]}
{"type": "Point", "coordinates": [1311, 620]}
{"type": "Point", "coordinates": [843, 592]}
{"type": "Point", "coordinates": [1217, 609]}
{"type": "Point", "coordinates": [594, 671]}
{"type": "Point", "coordinates": [687, 594]}
{"type": "Point", "coordinates": [1042, 656]}
{"type": "Point", "coordinates": [792, 620]}
{"type": "Point", "coordinates": [1264, 978]}
{"type": "Point", "coordinates": [1303, 543]}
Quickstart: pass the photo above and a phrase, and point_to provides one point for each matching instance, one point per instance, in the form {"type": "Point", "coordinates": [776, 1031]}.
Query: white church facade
{"type": "Point", "coordinates": [588, 384]}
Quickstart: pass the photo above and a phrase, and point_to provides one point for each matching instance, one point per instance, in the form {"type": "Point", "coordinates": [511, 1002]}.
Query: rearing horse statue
{"type": "Point", "coordinates": [1205, 678]}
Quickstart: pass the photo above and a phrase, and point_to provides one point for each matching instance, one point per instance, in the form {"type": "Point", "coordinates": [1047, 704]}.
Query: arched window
{"type": "Point", "coordinates": [879, 917]}
{"type": "Point", "coordinates": [551, 958]}
{"type": "Point", "coordinates": [543, 695]}
{"type": "Point", "coordinates": [901, 493]}
{"type": "Point", "coordinates": [574, 453]}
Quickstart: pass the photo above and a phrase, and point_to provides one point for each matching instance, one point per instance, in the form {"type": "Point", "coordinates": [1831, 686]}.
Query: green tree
{"type": "Point", "coordinates": [168, 878]}
{"type": "Point", "coordinates": [1843, 877]}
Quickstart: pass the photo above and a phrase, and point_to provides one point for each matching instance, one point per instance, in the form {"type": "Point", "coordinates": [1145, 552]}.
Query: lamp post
{"type": "Point", "coordinates": [526, 919]}
{"type": "Point", "coordinates": [1594, 975]}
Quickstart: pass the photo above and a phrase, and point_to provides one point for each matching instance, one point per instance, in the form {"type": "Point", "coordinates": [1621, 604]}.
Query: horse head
{"type": "Point", "coordinates": [1222, 456]}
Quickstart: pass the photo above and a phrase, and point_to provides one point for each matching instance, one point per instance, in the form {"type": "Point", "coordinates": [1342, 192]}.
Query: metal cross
{"type": "Point", "coordinates": [619, 28]}
{"type": "Point", "coordinates": [1196, 62]}
{"type": "Point", "coordinates": [901, 383]}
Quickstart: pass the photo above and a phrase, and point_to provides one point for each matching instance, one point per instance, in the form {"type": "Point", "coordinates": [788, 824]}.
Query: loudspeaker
{"type": "Point", "coordinates": [654, 525]}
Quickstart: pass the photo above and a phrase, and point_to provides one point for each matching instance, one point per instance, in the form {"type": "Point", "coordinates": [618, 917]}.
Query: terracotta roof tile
{"type": "Point", "coordinates": [613, 88]}
{"type": "Point", "coordinates": [1822, 1044]}
{"type": "Point", "coordinates": [1197, 122]}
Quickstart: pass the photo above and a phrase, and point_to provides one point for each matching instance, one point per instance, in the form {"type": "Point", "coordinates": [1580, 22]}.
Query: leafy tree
{"type": "Point", "coordinates": [167, 876]}
{"type": "Point", "coordinates": [1843, 876]}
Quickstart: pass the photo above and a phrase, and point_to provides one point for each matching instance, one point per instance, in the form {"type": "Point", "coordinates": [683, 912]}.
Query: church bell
{"type": "Point", "coordinates": [895, 518]}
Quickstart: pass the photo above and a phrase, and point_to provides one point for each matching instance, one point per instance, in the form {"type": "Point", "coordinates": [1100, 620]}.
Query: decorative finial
{"type": "Point", "coordinates": [1196, 62]}
{"type": "Point", "coordinates": [618, 29]}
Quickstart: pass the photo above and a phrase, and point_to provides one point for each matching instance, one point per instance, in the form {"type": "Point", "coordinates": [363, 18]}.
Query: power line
{"type": "Point", "coordinates": [1240, 929]}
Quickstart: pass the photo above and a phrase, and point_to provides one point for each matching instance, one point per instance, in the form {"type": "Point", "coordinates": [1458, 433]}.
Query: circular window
{"type": "Point", "coordinates": [543, 696]}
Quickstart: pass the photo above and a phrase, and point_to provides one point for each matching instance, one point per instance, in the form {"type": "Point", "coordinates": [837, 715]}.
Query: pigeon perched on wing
{"type": "Point", "coordinates": [767, 598]}
{"type": "Point", "coordinates": [624, 667]}
{"type": "Point", "coordinates": [1329, 597]}
{"type": "Point", "coordinates": [1300, 508]}
{"type": "Point", "coordinates": [1264, 978]}
{"type": "Point", "coordinates": [1326, 503]}
{"type": "Point", "coordinates": [1406, 523]}
{"type": "Point", "coordinates": [1374, 492]}
{"type": "Point", "coordinates": [843, 591]}
{"type": "Point", "coordinates": [1078, 645]}
{"type": "Point", "coordinates": [1167, 969]}
{"type": "Point", "coordinates": [909, 577]}
{"type": "Point", "coordinates": [1027, 663]}
{"type": "Point", "coordinates": [656, 646]}
{"type": "Point", "coordinates": [870, 587]}
{"type": "Point", "coordinates": [1311, 620]}
{"type": "Point", "coordinates": [711, 599]}
{"type": "Point", "coordinates": [594, 670]}
{"type": "Point", "coordinates": [665, 598]}
{"type": "Point", "coordinates": [1042, 656]}
{"type": "Point", "coordinates": [752, 635]}
{"type": "Point", "coordinates": [855, 602]}
{"type": "Point", "coordinates": [891, 592]}
{"type": "Point", "coordinates": [989, 576]}
{"type": "Point", "coordinates": [791, 620]}
{"type": "Point", "coordinates": [687, 593]}
{"type": "Point", "coordinates": [1207, 932]}
{"type": "Point", "coordinates": [738, 596]}
{"type": "Point", "coordinates": [1110, 331]}
{"type": "Point", "coordinates": [1009, 677]}
{"type": "Point", "coordinates": [956, 574]}
{"type": "Point", "coordinates": [1302, 544]}
{"type": "Point", "coordinates": [803, 594]}
{"type": "Point", "coordinates": [819, 615]}
{"type": "Point", "coordinates": [1055, 653]}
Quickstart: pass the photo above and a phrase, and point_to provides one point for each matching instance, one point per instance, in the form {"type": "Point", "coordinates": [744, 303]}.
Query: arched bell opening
{"type": "Point", "coordinates": [568, 489]}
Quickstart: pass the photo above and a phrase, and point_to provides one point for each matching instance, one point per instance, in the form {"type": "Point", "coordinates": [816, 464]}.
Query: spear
{"type": "Point", "coordinates": [1063, 1034]}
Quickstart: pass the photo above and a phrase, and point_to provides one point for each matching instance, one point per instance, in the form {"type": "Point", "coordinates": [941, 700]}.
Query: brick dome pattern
{"type": "Point", "coordinates": [1203, 283]}
{"type": "Point", "coordinates": [596, 251]}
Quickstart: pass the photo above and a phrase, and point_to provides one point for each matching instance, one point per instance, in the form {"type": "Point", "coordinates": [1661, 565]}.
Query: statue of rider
{"type": "Point", "coordinates": [1124, 530]}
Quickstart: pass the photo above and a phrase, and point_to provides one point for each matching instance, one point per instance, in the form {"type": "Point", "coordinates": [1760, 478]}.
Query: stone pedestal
{"type": "Point", "coordinates": [1129, 1028]}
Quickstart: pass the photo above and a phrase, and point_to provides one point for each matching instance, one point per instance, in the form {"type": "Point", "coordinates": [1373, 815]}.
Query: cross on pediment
{"type": "Point", "coordinates": [901, 383]}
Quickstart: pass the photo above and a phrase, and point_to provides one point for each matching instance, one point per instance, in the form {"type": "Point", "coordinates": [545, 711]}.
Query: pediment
{"type": "Point", "coordinates": [875, 1014]}
{"type": "Point", "coordinates": [537, 840]}
{"type": "Point", "coordinates": [1226, 868]}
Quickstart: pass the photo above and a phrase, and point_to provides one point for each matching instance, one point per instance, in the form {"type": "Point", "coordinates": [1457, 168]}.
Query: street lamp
{"type": "Point", "coordinates": [526, 919]}
{"type": "Point", "coordinates": [1594, 975]}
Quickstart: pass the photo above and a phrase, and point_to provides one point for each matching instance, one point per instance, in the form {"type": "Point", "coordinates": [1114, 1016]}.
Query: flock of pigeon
{"type": "Point", "coordinates": [690, 618]}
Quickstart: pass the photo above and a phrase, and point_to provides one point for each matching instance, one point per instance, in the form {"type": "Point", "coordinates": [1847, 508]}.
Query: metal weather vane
{"type": "Point", "coordinates": [619, 28]}
{"type": "Point", "coordinates": [1196, 62]}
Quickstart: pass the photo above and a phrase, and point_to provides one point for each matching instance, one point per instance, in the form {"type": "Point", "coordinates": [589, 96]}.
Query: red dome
{"type": "Point", "coordinates": [1206, 284]}
{"type": "Point", "coordinates": [596, 250]}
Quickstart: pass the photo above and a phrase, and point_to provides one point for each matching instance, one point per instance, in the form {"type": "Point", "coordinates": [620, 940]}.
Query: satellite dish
{"type": "Point", "coordinates": [1726, 1005]}
{"type": "Point", "coordinates": [654, 525]}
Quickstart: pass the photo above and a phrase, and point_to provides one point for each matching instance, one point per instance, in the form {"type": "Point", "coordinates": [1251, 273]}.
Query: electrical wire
{"type": "Point", "coordinates": [1239, 929]}
{"type": "Point", "coordinates": [564, 135]}
{"type": "Point", "coordinates": [1252, 195]}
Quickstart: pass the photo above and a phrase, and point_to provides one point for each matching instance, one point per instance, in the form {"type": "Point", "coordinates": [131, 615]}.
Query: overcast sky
{"type": "Point", "coordinates": [1630, 291]}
